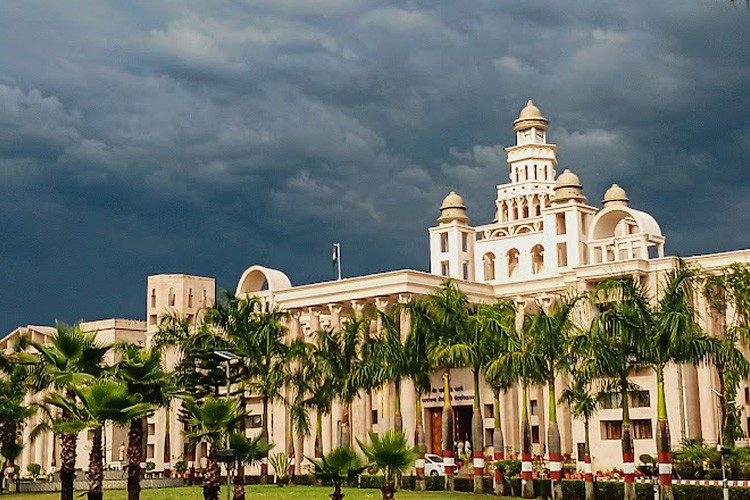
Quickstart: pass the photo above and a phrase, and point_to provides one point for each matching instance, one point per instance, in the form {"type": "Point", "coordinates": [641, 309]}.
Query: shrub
{"type": "Point", "coordinates": [465, 484]}
{"type": "Point", "coordinates": [34, 470]}
{"type": "Point", "coordinates": [435, 483]}
{"type": "Point", "coordinates": [180, 466]}
{"type": "Point", "coordinates": [150, 466]}
{"type": "Point", "coordinates": [371, 481]}
{"type": "Point", "coordinates": [573, 490]}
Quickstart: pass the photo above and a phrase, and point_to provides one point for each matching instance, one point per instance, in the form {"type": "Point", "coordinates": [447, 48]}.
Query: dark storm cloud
{"type": "Point", "coordinates": [203, 137]}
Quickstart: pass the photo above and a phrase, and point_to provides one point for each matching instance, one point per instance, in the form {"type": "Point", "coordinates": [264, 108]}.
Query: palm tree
{"type": "Point", "coordinates": [730, 287]}
{"type": "Point", "coordinates": [70, 359]}
{"type": "Point", "coordinates": [341, 464]}
{"type": "Point", "coordinates": [258, 336]}
{"type": "Point", "coordinates": [449, 314]}
{"type": "Point", "coordinates": [389, 453]}
{"type": "Point", "coordinates": [317, 386]}
{"type": "Point", "coordinates": [340, 354]}
{"type": "Point", "coordinates": [419, 342]}
{"type": "Point", "coordinates": [617, 344]}
{"type": "Point", "coordinates": [522, 363]}
{"type": "Point", "coordinates": [248, 451]}
{"type": "Point", "coordinates": [497, 321]}
{"type": "Point", "coordinates": [211, 420]}
{"type": "Point", "coordinates": [94, 405]}
{"type": "Point", "coordinates": [386, 359]}
{"type": "Point", "coordinates": [549, 334]}
{"type": "Point", "coordinates": [13, 411]}
{"type": "Point", "coordinates": [299, 387]}
{"type": "Point", "coordinates": [141, 370]}
{"type": "Point", "coordinates": [675, 337]}
{"type": "Point", "coordinates": [583, 405]}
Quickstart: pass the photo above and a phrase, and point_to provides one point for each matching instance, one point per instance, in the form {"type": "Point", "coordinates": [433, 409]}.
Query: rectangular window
{"type": "Point", "coordinates": [747, 395]}
{"type": "Point", "coordinates": [560, 223]}
{"type": "Point", "coordinates": [535, 434]}
{"type": "Point", "coordinates": [642, 429]}
{"type": "Point", "coordinates": [151, 429]}
{"type": "Point", "coordinates": [640, 399]}
{"type": "Point", "coordinates": [612, 401]}
{"type": "Point", "coordinates": [444, 268]}
{"type": "Point", "coordinates": [465, 242]}
{"type": "Point", "coordinates": [562, 255]}
{"type": "Point", "coordinates": [254, 421]}
{"type": "Point", "coordinates": [374, 416]}
{"type": "Point", "coordinates": [611, 430]}
{"type": "Point", "coordinates": [150, 451]}
{"type": "Point", "coordinates": [153, 297]}
{"type": "Point", "coordinates": [443, 242]}
{"type": "Point", "coordinates": [581, 451]}
{"type": "Point", "coordinates": [465, 270]}
{"type": "Point", "coordinates": [152, 319]}
{"type": "Point", "coordinates": [534, 407]}
{"type": "Point", "coordinates": [489, 411]}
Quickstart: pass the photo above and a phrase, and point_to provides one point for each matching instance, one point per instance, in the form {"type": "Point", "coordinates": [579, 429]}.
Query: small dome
{"type": "Point", "coordinates": [615, 196]}
{"type": "Point", "coordinates": [530, 116]}
{"type": "Point", "coordinates": [567, 179]}
{"type": "Point", "coordinates": [530, 111]}
{"type": "Point", "coordinates": [453, 209]}
{"type": "Point", "coordinates": [453, 200]}
{"type": "Point", "coordinates": [568, 187]}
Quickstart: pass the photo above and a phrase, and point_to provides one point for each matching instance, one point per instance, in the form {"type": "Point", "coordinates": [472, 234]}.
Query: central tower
{"type": "Point", "coordinates": [532, 169]}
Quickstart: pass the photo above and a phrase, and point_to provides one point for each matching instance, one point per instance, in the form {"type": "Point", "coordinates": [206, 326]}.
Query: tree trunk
{"type": "Point", "coordinates": [419, 440]}
{"type": "Point", "coordinates": [96, 467]}
{"type": "Point", "coordinates": [498, 445]}
{"type": "Point", "coordinates": [318, 433]}
{"type": "Point", "coordinates": [135, 454]}
{"type": "Point", "coordinates": [477, 438]}
{"type": "Point", "coordinates": [588, 473]}
{"type": "Point", "coordinates": [346, 428]}
{"type": "Point", "coordinates": [553, 444]}
{"type": "Point", "coordinates": [67, 465]}
{"type": "Point", "coordinates": [389, 491]}
{"type": "Point", "coordinates": [663, 440]}
{"type": "Point", "coordinates": [628, 454]}
{"type": "Point", "coordinates": [449, 459]}
{"type": "Point", "coordinates": [211, 476]}
{"type": "Point", "coordinates": [527, 483]}
{"type": "Point", "coordinates": [264, 436]}
{"type": "Point", "coordinates": [238, 492]}
{"type": "Point", "coordinates": [398, 421]}
{"type": "Point", "coordinates": [336, 495]}
{"type": "Point", "coordinates": [191, 464]}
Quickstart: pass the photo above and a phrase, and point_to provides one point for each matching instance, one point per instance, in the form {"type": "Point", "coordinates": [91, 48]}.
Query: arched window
{"type": "Point", "coordinates": [153, 297]}
{"type": "Point", "coordinates": [504, 212]}
{"type": "Point", "coordinates": [190, 297]}
{"type": "Point", "coordinates": [525, 209]}
{"type": "Point", "coordinates": [171, 297]}
{"type": "Point", "coordinates": [512, 257]}
{"type": "Point", "coordinates": [489, 266]}
{"type": "Point", "coordinates": [537, 259]}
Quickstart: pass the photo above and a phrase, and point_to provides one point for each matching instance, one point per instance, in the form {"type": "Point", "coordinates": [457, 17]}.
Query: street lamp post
{"type": "Point", "coordinates": [227, 455]}
{"type": "Point", "coordinates": [724, 451]}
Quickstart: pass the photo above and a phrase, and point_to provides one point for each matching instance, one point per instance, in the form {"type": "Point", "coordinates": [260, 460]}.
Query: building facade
{"type": "Point", "coordinates": [545, 241]}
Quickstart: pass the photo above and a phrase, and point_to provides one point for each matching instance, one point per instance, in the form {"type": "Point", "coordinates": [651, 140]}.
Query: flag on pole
{"type": "Point", "coordinates": [336, 259]}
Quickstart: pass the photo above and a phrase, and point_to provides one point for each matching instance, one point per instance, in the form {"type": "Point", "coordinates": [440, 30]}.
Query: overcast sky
{"type": "Point", "coordinates": [202, 137]}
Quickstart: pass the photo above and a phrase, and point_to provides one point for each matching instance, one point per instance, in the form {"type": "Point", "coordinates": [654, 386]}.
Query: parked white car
{"type": "Point", "coordinates": [433, 465]}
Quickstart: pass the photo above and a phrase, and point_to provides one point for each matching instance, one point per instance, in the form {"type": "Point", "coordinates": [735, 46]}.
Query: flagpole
{"type": "Point", "coordinates": [338, 259]}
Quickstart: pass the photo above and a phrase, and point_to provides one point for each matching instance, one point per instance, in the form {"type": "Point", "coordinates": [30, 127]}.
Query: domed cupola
{"type": "Point", "coordinates": [615, 197]}
{"type": "Point", "coordinates": [530, 116]}
{"type": "Point", "coordinates": [568, 187]}
{"type": "Point", "coordinates": [453, 209]}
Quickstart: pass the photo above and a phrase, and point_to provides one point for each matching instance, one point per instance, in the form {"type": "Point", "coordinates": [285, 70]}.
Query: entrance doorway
{"type": "Point", "coordinates": [436, 430]}
{"type": "Point", "coordinates": [461, 426]}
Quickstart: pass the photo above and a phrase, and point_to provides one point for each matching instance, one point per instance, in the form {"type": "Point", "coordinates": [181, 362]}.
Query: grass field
{"type": "Point", "coordinates": [264, 492]}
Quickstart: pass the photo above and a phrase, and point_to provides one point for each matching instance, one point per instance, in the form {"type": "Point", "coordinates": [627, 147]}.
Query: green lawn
{"type": "Point", "coordinates": [264, 492]}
